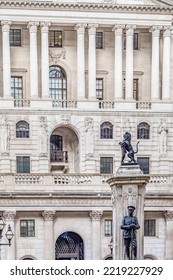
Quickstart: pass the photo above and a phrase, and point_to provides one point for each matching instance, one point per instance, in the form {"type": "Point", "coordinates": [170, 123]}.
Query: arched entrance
{"type": "Point", "coordinates": [69, 246]}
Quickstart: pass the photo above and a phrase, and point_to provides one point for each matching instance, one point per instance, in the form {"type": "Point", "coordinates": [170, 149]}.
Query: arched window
{"type": "Point", "coordinates": [106, 130]}
{"type": "Point", "coordinates": [22, 129]}
{"type": "Point", "coordinates": [57, 83]}
{"type": "Point", "coordinates": [143, 131]}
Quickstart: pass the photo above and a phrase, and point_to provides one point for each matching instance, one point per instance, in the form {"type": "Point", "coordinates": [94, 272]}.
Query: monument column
{"type": "Point", "coordinates": [166, 63]}
{"type": "Point", "coordinates": [9, 219]}
{"type": "Point", "coordinates": [95, 216]}
{"type": "Point", "coordinates": [6, 58]}
{"type": "Point", "coordinates": [33, 59]}
{"type": "Point", "coordinates": [49, 249]}
{"type": "Point", "coordinates": [80, 27]}
{"type": "Point", "coordinates": [118, 31]}
{"type": "Point", "coordinates": [45, 59]}
{"type": "Point", "coordinates": [92, 61]}
{"type": "Point", "coordinates": [169, 233]}
{"type": "Point", "coordinates": [129, 61]}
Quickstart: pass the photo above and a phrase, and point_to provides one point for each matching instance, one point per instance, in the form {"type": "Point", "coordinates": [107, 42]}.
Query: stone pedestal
{"type": "Point", "coordinates": [128, 188]}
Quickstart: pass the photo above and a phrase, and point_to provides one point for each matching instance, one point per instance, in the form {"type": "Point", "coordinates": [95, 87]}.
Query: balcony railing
{"type": "Point", "coordinates": [59, 156]}
{"type": "Point", "coordinates": [21, 103]}
{"type": "Point", "coordinates": [64, 104]}
{"type": "Point", "coordinates": [143, 105]}
{"type": "Point", "coordinates": [106, 104]}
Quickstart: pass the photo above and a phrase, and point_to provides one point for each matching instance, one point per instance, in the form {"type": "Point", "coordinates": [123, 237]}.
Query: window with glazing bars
{"type": "Point", "coordinates": [22, 129]}
{"type": "Point", "coordinates": [17, 87]}
{"type": "Point", "coordinates": [106, 165]}
{"type": "Point", "coordinates": [106, 130]}
{"type": "Point", "coordinates": [149, 228]}
{"type": "Point", "coordinates": [99, 89]}
{"type": "Point", "coordinates": [15, 37]}
{"type": "Point", "coordinates": [55, 39]}
{"type": "Point", "coordinates": [135, 89]}
{"type": "Point", "coordinates": [143, 131]}
{"type": "Point", "coordinates": [108, 227]}
{"type": "Point", "coordinates": [135, 41]}
{"type": "Point", "coordinates": [99, 40]}
{"type": "Point", "coordinates": [144, 164]}
{"type": "Point", "coordinates": [27, 228]}
{"type": "Point", "coordinates": [57, 83]}
{"type": "Point", "coordinates": [23, 164]}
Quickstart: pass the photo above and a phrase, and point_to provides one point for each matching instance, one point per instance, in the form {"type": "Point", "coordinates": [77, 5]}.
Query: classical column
{"type": "Point", "coordinates": [166, 63]}
{"type": "Point", "coordinates": [80, 27]}
{"type": "Point", "coordinates": [129, 61]}
{"type": "Point", "coordinates": [92, 61]}
{"type": "Point", "coordinates": [45, 59]}
{"type": "Point", "coordinates": [6, 58]}
{"type": "Point", "coordinates": [9, 218]}
{"type": "Point", "coordinates": [95, 216]}
{"type": "Point", "coordinates": [118, 31]}
{"type": "Point", "coordinates": [169, 233]}
{"type": "Point", "coordinates": [155, 63]}
{"type": "Point", "coordinates": [33, 59]}
{"type": "Point", "coordinates": [49, 249]}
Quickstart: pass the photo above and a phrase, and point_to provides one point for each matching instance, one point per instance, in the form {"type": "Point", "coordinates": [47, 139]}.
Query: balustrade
{"type": "Point", "coordinates": [21, 103]}
{"type": "Point", "coordinates": [64, 104]}
{"type": "Point", "coordinates": [143, 105]}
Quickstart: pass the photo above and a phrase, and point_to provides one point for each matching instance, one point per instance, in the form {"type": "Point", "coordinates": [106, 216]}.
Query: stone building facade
{"type": "Point", "coordinates": [75, 75]}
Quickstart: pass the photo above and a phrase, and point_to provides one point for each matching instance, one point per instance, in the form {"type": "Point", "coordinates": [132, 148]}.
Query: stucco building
{"type": "Point", "coordinates": [75, 75]}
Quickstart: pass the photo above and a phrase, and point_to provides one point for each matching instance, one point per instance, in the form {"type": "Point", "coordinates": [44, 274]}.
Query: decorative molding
{"type": "Point", "coordinates": [9, 215]}
{"type": "Point", "coordinates": [96, 215]}
{"type": "Point", "coordinates": [32, 26]}
{"type": "Point", "coordinates": [168, 215]}
{"type": "Point", "coordinates": [6, 25]}
{"type": "Point", "coordinates": [80, 27]}
{"type": "Point", "coordinates": [155, 30]}
{"type": "Point", "coordinates": [92, 28]}
{"type": "Point", "coordinates": [130, 29]}
{"type": "Point", "coordinates": [118, 29]}
{"type": "Point", "coordinates": [45, 27]}
{"type": "Point", "coordinates": [48, 215]}
{"type": "Point", "coordinates": [54, 57]}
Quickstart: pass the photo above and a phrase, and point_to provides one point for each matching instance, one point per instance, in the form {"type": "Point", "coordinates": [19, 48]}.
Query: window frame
{"type": "Point", "coordinates": [22, 133]}
{"type": "Point", "coordinates": [99, 88]}
{"type": "Point", "coordinates": [109, 168]}
{"type": "Point", "coordinates": [146, 131]}
{"type": "Point", "coordinates": [55, 44]}
{"type": "Point", "coordinates": [57, 93]}
{"type": "Point", "coordinates": [17, 91]}
{"type": "Point", "coordinates": [105, 132]}
{"type": "Point", "coordinates": [147, 231]}
{"type": "Point", "coordinates": [148, 162]}
{"type": "Point", "coordinates": [13, 42]}
{"type": "Point", "coordinates": [108, 227]}
{"type": "Point", "coordinates": [99, 40]}
{"type": "Point", "coordinates": [20, 166]}
{"type": "Point", "coordinates": [25, 231]}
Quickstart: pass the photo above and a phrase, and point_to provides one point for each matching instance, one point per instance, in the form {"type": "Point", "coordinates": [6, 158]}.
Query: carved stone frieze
{"type": "Point", "coordinates": [65, 118]}
{"type": "Point", "coordinates": [96, 215]}
{"type": "Point", "coordinates": [9, 215]}
{"type": "Point", "coordinates": [48, 215]}
{"type": "Point", "coordinates": [54, 57]}
{"type": "Point", "coordinates": [168, 215]}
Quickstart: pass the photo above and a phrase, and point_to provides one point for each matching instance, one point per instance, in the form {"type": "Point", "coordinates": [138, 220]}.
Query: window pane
{"type": "Point", "coordinates": [149, 227]}
{"type": "Point", "coordinates": [106, 165]}
{"type": "Point", "coordinates": [143, 131]}
{"type": "Point", "coordinates": [99, 40]}
{"type": "Point", "coordinates": [57, 83]}
{"type": "Point", "coordinates": [135, 41]}
{"type": "Point", "coordinates": [23, 164]}
{"type": "Point", "coordinates": [55, 38]}
{"type": "Point", "coordinates": [106, 131]}
{"type": "Point", "coordinates": [15, 37]}
{"type": "Point", "coordinates": [16, 87]}
{"type": "Point", "coordinates": [108, 227]}
{"type": "Point", "coordinates": [135, 89]}
{"type": "Point", "coordinates": [27, 228]}
{"type": "Point", "coordinates": [99, 89]}
{"type": "Point", "coordinates": [22, 130]}
{"type": "Point", "coordinates": [144, 164]}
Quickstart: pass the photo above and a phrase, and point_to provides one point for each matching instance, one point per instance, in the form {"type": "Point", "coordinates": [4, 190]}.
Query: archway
{"type": "Point", "coordinates": [69, 246]}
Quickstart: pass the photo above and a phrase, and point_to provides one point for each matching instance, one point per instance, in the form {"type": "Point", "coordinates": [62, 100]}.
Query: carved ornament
{"type": "Point", "coordinates": [48, 215]}
{"type": "Point", "coordinates": [54, 57]}
{"type": "Point", "coordinates": [96, 215]}
{"type": "Point", "coordinates": [9, 215]}
{"type": "Point", "coordinates": [168, 215]}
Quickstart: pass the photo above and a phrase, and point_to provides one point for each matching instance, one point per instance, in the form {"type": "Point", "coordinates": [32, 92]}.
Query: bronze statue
{"type": "Point", "coordinates": [126, 147]}
{"type": "Point", "coordinates": [130, 225]}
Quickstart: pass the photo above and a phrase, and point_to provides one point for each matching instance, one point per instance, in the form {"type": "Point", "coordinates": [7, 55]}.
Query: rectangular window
{"type": "Point", "coordinates": [135, 89]}
{"type": "Point", "coordinates": [149, 228]}
{"type": "Point", "coordinates": [108, 227]}
{"type": "Point", "coordinates": [55, 39]}
{"type": "Point", "coordinates": [23, 164]}
{"type": "Point", "coordinates": [99, 89]}
{"type": "Point", "coordinates": [27, 228]}
{"type": "Point", "coordinates": [15, 37]}
{"type": "Point", "coordinates": [99, 40]}
{"type": "Point", "coordinates": [17, 87]}
{"type": "Point", "coordinates": [106, 165]}
{"type": "Point", "coordinates": [135, 41]}
{"type": "Point", "coordinates": [144, 164]}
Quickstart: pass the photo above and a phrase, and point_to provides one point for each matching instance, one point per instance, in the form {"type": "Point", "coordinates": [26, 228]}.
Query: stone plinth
{"type": "Point", "coordinates": [128, 188]}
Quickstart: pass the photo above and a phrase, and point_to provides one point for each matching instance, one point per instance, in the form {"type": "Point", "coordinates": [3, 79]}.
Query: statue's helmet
{"type": "Point", "coordinates": [131, 207]}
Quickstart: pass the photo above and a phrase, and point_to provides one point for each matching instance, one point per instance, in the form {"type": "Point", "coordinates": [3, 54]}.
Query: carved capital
{"type": "Point", "coordinates": [32, 25]}
{"type": "Point", "coordinates": [6, 25]}
{"type": "Point", "coordinates": [9, 215]}
{"type": "Point", "coordinates": [48, 215]}
{"type": "Point", "coordinates": [80, 27]}
{"type": "Point", "coordinates": [167, 30]}
{"type": "Point", "coordinates": [45, 27]}
{"type": "Point", "coordinates": [130, 29]}
{"type": "Point", "coordinates": [92, 28]}
{"type": "Point", "coordinates": [118, 29]}
{"type": "Point", "coordinates": [155, 30]}
{"type": "Point", "coordinates": [96, 215]}
{"type": "Point", "coordinates": [168, 215]}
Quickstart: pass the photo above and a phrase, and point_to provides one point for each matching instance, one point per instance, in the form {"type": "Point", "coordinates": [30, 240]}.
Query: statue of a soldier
{"type": "Point", "coordinates": [130, 225]}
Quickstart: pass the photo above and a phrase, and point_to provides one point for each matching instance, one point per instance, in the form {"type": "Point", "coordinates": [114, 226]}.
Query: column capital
{"type": "Point", "coordinates": [48, 215]}
{"type": "Point", "coordinates": [96, 215]}
{"type": "Point", "coordinates": [167, 30]}
{"type": "Point", "coordinates": [168, 215]}
{"type": "Point", "coordinates": [45, 26]}
{"type": "Point", "coordinates": [155, 29]}
{"type": "Point", "coordinates": [80, 27]}
{"type": "Point", "coordinates": [92, 28]}
{"type": "Point", "coordinates": [6, 25]}
{"type": "Point", "coordinates": [130, 29]}
{"type": "Point", "coordinates": [118, 29]}
{"type": "Point", "coordinates": [9, 215]}
{"type": "Point", "coordinates": [32, 25]}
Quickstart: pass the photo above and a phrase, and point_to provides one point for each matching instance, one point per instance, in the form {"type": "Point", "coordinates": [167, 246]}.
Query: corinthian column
{"type": "Point", "coordinates": [129, 61]}
{"type": "Point", "coordinates": [9, 217]}
{"type": "Point", "coordinates": [169, 233]}
{"type": "Point", "coordinates": [95, 216]}
{"type": "Point", "coordinates": [33, 59]}
{"type": "Point", "coordinates": [166, 63]}
{"type": "Point", "coordinates": [155, 62]}
{"type": "Point", "coordinates": [118, 31]}
{"type": "Point", "coordinates": [45, 59]}
{"type": "Point", "coordinates": [92, 61]}
{"type": "Point", "coordinates": [80, 27]}
{"type": "Point", "coordinates": [6, 58]}
{"type": "Point", "coordinates": [49, 249]}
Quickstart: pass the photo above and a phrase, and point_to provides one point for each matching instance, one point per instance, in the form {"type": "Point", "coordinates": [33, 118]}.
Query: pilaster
{"type": "Point", "coordinates": [10, 219]}
{"type": "Point", "coordinates": [169, 233]}
{"type": "Point", "coordinates": [49, 250]}
{"type": "Point", "coordinates": [96, 216]}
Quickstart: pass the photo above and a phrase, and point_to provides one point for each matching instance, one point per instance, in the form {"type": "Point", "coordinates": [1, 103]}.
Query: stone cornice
{"type": "Point", "coordinates": [86, 6]}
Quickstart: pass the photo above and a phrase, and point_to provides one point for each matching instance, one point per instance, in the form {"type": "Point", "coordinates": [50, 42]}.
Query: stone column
{"type": "Point", "coordinates": [95, 216]}
{"type": "Point", "coordinates": [6, 58]}
{"type": "Point", "coordinates": [155, 95]}
{"type": "Point", "coordinates": [169, 233]}
{"type": "Point", "coordinates": [45, 59]}
{"type": "Point", "coordinates": [166, 63]}
{"type": "Point", "coordinates": [10, 251]}
{"type": "Point", "coordinates": [33, 59]}
{"type": "Point", "coordinates": [49, 248]}
{"type": "Point", "coordinates": [129, 61]}
{"type": "Point", "coordinates": [92, 61]}
{"type": "Point", "coordinates": [80, 27]}
{"type": "Point", "coordinates": [118, 30]}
